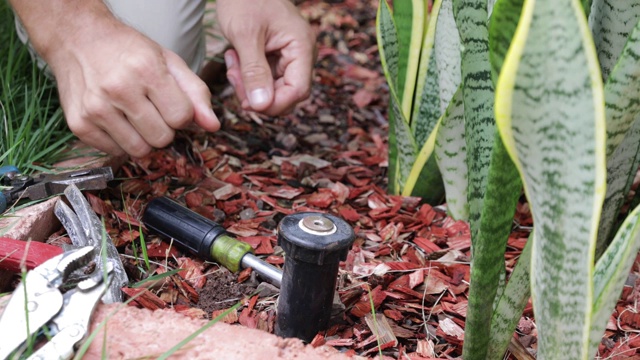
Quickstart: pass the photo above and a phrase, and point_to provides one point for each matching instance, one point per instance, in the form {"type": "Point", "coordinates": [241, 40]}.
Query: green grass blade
{"type": "Point", "coordinates": [621, 169]}
{"type": "Point", "coordinates": [510, 305]}
{"type": "Point", "coordinates": [502, 193]}
{"type": "Point", "coordinates": [622, 93]}
{"type": "Point", "coordinates": [611, 23]}
{"type": "Point", "coordinates": [32, 127]}
{"type": "Point", "coordinates": [610, 274]}
{"type": "Point", "coordinates": [451, 154]}
{"type": "Point", "coordinates": [154, 278]}
{"type": "Point", "coordinates": [472, 18]}
{"type": "Point", "coordinates": [550, 112]}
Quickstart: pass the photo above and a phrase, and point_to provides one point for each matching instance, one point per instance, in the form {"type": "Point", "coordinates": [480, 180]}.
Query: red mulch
{"type": "Point", "coordinates": [330, 155]}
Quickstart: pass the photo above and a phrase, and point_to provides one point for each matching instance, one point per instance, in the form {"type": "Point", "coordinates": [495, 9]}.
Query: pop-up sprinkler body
{"type": "Point", "coordinates": [314, 244]}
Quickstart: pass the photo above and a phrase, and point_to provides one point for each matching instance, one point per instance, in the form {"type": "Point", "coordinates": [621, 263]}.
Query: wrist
{"type": "Point", "coordinates": [57, 27]}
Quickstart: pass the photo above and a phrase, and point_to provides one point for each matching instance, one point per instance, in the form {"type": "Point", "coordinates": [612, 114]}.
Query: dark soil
{"type": "Point", "coordinates": [222, 291]}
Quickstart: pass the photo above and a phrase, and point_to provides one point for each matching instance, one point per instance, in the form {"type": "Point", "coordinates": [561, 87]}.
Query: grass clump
{"type": "Point", "coordinates": [33, 133]}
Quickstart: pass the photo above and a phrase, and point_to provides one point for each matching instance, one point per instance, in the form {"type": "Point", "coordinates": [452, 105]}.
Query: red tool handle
{"type": "Point", "coordinates": [12, 253]}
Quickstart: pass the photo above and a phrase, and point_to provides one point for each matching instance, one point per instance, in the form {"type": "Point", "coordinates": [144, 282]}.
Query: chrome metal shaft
{"type": "Point", "coordinates": [269, 272]}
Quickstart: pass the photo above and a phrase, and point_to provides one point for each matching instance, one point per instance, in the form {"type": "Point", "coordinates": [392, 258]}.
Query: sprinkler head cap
{"type": "Point", "coordinates": [315, 237]}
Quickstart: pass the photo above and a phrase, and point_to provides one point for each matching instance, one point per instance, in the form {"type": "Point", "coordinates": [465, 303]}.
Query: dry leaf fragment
{"type": "Point", "coordinates": [380, 327]}
{"type": "Point", "coordinates": [451, 328]}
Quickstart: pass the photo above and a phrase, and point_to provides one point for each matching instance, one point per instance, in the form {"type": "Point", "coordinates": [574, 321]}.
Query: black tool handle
{"type": "Point", "coordinates": [188, 228]}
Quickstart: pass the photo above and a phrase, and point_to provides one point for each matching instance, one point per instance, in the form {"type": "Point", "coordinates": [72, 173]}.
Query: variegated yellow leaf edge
{"type": "Point", "coordinates": [503, 110]}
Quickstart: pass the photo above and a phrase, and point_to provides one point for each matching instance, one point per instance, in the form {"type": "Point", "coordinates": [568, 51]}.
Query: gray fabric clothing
{"type": "Point", "coordinates": [174, 24]}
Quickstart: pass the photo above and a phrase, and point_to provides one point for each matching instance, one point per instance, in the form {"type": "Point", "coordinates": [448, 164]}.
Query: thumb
{"type": "Point", "coordinates": [256, 75]}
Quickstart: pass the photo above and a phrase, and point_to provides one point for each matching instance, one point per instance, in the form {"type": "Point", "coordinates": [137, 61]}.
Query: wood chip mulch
{"type": "Point", "coordinates": [329, 155]}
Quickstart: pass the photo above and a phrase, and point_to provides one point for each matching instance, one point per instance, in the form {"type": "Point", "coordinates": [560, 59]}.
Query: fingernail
{"type": "Point", "coordinates": [228, 60]}
{"type": "Point", "coordinates": [258, 97]}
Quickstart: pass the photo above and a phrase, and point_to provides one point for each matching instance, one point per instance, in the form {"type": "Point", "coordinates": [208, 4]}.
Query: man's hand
{"type": "Point", "coordinates": [120, 91]}
{"type": "Point", "coordinates": [274, 52]}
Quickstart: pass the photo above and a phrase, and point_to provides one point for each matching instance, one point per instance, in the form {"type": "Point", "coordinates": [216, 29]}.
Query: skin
{"type": "Point", "coordinates": [123, 93]}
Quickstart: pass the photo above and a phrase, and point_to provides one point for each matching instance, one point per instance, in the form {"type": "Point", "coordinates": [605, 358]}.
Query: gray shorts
{"type": "Point", "coordinates": [174, 24]}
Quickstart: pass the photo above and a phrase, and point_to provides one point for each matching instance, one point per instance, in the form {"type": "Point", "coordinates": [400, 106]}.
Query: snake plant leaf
{"type": "Point", "coordinates": [611, 23]}
{"type": "Point", "coordinates": [426, 90]}
{"type": "Point", "coordinates": [622, 93]}
{"type": "Point", "coordinates": [610, 274]}
{"type": "Point", "coordinates": [621, 169]}
{"type": "Point", "coordinates": [490, 5]}
{"type": "Point", "coordinates": [387, 36]}
{"type": "Point", "coordinates": [502, 193]}
{"type": "Point", "coordinates": [425, 180]}
{"type": "Point", "coordinates": [550, 112]}
{"type": "Point", "coordinates": [392, 187]}
{"type": "Point", "coordinates": [586, 7]}
{"type": "Point", "coordinates": [510, 305]}
{"type": "Point", "coordinates": [405, 144]}
{"type": "Point", "coordinates": [472, 18]}
{"type": "Point", "coordinates": [502, 26]}
{"type": "Point", "coordinates": [427, 113]}
{"type": "Point", "coordinates": [439, 67]}
{"type": "Point", "coordinates": [451, 154]}
{"type": "Point", "coordinates": [410, 18]}
{"type": "Point", "coordinates": [447, 53]}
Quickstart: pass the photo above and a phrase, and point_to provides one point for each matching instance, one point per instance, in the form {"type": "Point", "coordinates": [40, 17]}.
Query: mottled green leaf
{"type": "Point", "coordinates": [392, 170]}
{"type": "Point", "coordinates": [622, 92]}
{"type": "Point", "coordinates": [621, 169]}
{"type": "Point", "coordinates": [427, 109]}
{"type": "Point", "coordinates": [472, 18]}
{"type": "Point", "coordinates": [611, 22]}
{"type": "Point", "coordinates": [424, 179]}
{"type": "Point", "coordinates": [502, 193]}
{"type": "Point", "coordinates": [550, 112]}
{"type": "Point", "coordinates": [387, 37]}
{"type": "Point", "coordinates": [410, 21]}
{"type": "Point", "coordinates": [510, 305]}
{"type": "Point", "coordinates": [586, 7]}
{"type": "Point", "coordinates": [451, 154]}
{"type": "Point", "coordinates": [405, 144]}
{"type": "Point", "coordinates": [447, 51]}
{"type": "Point", "coordinates": [502, 27]}
{"type": "Point", "coordinates": [610, 274]}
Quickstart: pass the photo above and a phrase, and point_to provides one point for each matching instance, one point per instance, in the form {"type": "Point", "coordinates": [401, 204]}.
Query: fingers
{"type": "Point", "coordinates": [255, 76]}
{"type": "Point", "coordinates": [105, 128]}
{"type": "Point", "coordinates": [195, 90]}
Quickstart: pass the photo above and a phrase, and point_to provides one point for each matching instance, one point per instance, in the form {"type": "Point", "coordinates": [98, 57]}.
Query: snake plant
{"type": "Point", "coordinates": [540, 95]}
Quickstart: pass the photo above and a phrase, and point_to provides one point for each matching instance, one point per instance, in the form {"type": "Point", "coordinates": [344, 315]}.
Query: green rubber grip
{"type": "Point", "coordinates": [228, 252]}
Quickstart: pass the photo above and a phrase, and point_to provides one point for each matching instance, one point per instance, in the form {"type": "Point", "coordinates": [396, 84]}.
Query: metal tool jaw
{"type": "Point", "coordinates": [21, 186]}
{"type": "Point", "coordinates": [85, 229]}
{"type": "Point", "coordinates": [39, 301]}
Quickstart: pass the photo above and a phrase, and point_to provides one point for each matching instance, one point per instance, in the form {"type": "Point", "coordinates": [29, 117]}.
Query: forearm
{"type": "Point", "coordinates": [60, 25]}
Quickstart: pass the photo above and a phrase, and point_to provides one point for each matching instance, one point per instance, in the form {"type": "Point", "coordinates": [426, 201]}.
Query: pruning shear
{"type": "Point", "coordinates": [21, 186]}
{"type": "Point", "coordinates": [39, 307]}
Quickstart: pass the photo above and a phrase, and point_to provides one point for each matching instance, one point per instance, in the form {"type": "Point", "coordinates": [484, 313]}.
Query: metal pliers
{"type": "Point", "coordinates": [16, 186]}
{"type": "Point", "coordinates": [39, 307]}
